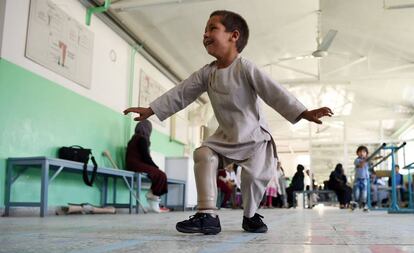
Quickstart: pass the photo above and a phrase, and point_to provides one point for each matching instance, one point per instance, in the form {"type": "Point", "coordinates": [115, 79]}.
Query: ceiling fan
{"type": "Point", "coordinates": [320, 52]}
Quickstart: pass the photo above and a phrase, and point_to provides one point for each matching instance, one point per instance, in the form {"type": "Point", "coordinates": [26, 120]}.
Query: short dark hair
{"type": "Point", "coordinates": [233, 21]}
{"type": "Point", "coordinates": [361, 148]}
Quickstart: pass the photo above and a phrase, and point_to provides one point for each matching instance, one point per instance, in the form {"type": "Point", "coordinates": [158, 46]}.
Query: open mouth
{"type": "Point", "coordinates": [207, 43]}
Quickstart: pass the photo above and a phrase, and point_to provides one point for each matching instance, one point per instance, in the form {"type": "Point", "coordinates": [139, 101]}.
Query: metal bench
{"type": "Point", "coordinates": [47, 165]}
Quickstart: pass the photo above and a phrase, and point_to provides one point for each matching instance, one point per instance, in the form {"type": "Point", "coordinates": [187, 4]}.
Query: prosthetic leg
{"type": "Point", "coordinates": [205, 169]}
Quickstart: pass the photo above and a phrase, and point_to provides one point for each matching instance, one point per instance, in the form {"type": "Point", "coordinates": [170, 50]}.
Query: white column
{"type": "Point", "coordinates": [383, 165]}
{"type": "Point", "coordinates": [346, 157]}
{"type": "Point", "coordinates": [310, 156]}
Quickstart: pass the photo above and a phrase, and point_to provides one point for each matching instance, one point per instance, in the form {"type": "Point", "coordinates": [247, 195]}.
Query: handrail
{"type": "Point", "coordinates": [386, 157]}
{"type": "Point", "coordinates": [411, 165]}
{"type": "Point", "coordinates": [376, 151]}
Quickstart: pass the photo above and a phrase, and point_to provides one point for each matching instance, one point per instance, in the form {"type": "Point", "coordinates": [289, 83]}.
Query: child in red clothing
{"type": "Point", "coordinates": [225, 185]}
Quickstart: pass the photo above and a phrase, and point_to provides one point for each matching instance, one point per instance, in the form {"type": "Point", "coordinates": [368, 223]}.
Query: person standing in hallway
{"type": "Point", "coordinates": [234, 86]}
{"type": "Point", "coordinates": [361, 178]}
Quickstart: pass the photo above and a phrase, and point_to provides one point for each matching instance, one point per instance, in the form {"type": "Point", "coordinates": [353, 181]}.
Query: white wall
{"type": "Point", "coordinates": [2, 14]}
{"type": "Point", "coordinates": [183, 129]}
{"type": "Point", "coordinates": [154, 73]}
{"type": "Point", "coordinates": [110, 80]}
{"type": "Point", "coordinates": [290, 161]}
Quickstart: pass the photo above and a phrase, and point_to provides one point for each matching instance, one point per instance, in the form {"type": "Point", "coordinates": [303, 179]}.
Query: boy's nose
{"type": "Point", "coordinates": [205, 35]}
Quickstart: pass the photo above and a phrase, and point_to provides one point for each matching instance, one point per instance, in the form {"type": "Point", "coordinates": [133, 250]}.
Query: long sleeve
{"type": "Point", "coordinates": [138, 157]}
{"type": "Point", "coordinates": [297, 182]}
{"type": "Point", "coordinates": [272, 93]}
{"type": "Point", "coordinates": [181, 95]}
{"type": "Point", "coordinates": [143, 149]}
{"type": "Point", "coordinates": [344, 179]}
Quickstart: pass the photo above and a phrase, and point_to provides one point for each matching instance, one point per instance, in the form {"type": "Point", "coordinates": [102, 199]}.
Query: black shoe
{"type": "Point", "coordinates": [200, 223]}
{"type": "Point", "coordinates": [353, 205]}
{"type": "Point", "coordinates": [254, 224]}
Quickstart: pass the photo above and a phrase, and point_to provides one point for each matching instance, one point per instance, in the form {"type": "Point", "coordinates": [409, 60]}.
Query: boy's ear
{"type": "Point", "coordinates": [235, 35]}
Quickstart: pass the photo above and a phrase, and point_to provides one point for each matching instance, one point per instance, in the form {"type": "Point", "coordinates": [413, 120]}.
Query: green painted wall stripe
{"type": "Point", "coordinates": [37, 116]}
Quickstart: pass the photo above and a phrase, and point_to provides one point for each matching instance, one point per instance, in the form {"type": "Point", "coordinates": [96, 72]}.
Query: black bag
{"type": "Point", "coordinates": [78, 154]}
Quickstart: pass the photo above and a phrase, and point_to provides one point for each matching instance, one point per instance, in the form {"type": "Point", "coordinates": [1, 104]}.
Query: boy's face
{"type": "Point", "coordinates": [362, 153]}
{"type": "Point", "coordinates": [216, 40]}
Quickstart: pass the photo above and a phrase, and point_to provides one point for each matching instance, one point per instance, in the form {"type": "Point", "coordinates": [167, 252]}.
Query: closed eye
{"type": "Point", "coordinates": [210, 28]}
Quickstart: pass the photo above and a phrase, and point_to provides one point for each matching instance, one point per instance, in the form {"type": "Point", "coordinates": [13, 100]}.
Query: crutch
{"type": "Point", "coordinates": [137, 198]}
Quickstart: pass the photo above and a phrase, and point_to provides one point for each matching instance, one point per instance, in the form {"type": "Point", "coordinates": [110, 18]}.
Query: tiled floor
{"type": "Point", "coordinates": [318, 230]}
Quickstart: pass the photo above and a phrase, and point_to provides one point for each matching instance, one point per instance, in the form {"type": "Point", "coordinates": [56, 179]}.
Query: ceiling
{"type": "Point", "coordinates": [367, 78]}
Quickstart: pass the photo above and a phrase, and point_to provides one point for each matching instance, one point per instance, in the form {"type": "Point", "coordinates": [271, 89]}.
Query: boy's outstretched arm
{"type": "Point", "coordinates": [315, 115]}
{"type": "Point", "coordinates": [143, 112]}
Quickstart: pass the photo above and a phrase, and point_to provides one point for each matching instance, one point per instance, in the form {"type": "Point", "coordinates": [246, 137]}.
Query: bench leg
{"type": "Point", "coordinates": [9, 174]}
{"type": "Point", "coordinates": [138, 192]}
{"type": "Point", "coordinates": [44, 189]}
{"type": "Point", "coordinates": [114, 190]}
{"type": "Point", "coordinates": [130, 193]}
{"type": "Point", "coordinates": [104, 199]}
{"type": "Point", "coordinates": [166, 199]}
{"type": "Point", "coordinates": [183, 197]}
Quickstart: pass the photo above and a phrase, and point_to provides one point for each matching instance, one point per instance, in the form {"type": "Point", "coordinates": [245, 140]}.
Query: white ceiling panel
{"type": "Point", "coordinates": [367, 76]}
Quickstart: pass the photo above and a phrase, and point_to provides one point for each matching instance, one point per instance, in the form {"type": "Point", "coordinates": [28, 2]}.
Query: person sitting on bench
{"type": "Point", "coordinates": [138, 159]}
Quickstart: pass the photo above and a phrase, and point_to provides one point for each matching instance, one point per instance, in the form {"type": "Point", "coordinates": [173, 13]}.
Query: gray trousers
{"type": "Point", "coordinates": [256, 174]}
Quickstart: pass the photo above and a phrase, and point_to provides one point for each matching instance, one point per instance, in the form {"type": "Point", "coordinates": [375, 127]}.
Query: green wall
{"type": "Point", "coordinates": [38, 116]}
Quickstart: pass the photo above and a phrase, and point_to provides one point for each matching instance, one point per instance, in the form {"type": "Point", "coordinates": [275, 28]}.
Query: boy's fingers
{"type": "Point", "coordinates": [325, 111]}
{"type": "Point", "coordinates": [132, 109]}
{"type": "Point", "coordinates": [129, 110]}
{"type": "Point", "coordinates": [328, 111]}
{"type": "Point", "coordinates": [317, 121]}
{"type": "Point", "coordinates": [327, 114]}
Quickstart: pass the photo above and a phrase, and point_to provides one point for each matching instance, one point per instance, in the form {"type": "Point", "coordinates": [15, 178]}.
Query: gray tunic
{"type": "Point", "coordinates": [234, 92]}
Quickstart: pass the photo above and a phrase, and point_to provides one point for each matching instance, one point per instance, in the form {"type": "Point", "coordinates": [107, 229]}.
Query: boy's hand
{"type": "Point", "coordinates": [143, 112]}
{"type": "Point", "coordinates": [315, 115]}
{"type": "Point", "coordinates": [361, 163]}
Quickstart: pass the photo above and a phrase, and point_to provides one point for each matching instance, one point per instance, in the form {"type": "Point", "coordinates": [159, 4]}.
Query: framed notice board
{"type": "Point", "coordinates": [59, 43]}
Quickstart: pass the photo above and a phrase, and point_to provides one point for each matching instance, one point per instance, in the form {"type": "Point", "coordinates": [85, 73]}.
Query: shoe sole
{"type": "Point", "coordinates": [259, 230]}
{"type": "Point", "coordinates": [206, 231]}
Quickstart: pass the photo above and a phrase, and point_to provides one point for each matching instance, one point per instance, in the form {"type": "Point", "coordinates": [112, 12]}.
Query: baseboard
{"type": "Point", "coordinates": [51, 211]}
{"type": "Point", "coordinates": [27, 211]}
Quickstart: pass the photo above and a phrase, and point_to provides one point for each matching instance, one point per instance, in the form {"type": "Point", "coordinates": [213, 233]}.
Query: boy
{"type": "Point", "coordinates": [399, 183]}
{"type": "Point", "coordinates": [361, 178]}
{"type": "Point", "coordinates": [233, 85]}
